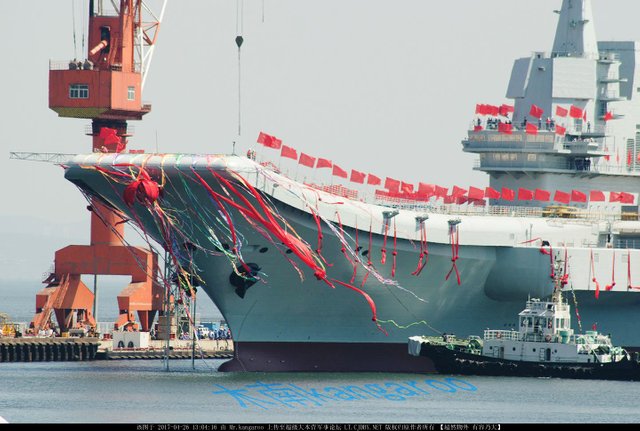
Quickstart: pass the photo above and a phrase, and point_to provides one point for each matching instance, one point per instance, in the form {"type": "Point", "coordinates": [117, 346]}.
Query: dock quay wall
{"type": "Point", "coordinates": [48, 349]}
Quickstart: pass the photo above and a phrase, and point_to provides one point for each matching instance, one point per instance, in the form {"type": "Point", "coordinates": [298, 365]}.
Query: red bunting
{"type": "Point", "coordinates": [531, 129]}
{"type": "Point", "coordinates": [289, 153]}
{"type": "Point", "coordinates": [391, 184]}
{"type": "Point", "coordinates": [505, 128]}
{"type": "Point", "coordinates": [476, 193]}
{"type": "Point", "coordinates": [608, 116]}
{"type": "Point", "coordinates": [562, 197]}
{"type": "Point", "coordinates": [561, 131]}
{"type": "Point", "coordinates": [307, 160]}
{"type": "Point", "coordinates": [536, 111]}
{"type": "Point", "coordinates": [143, 189]}
{"type": "Point", "coordinates": [542, 195]}
{"type": "Point", "coordinates": [525, 194]}
{"type": "Point", "coordinates": [596, 196]}
{"type": "Point", "coordinates": [339, 172]}
{"type": "Point", "coordinates": [575, 112]}
{"type": "Point", "coordinates": [357, 176]}
{"type": "Point", "coordinates": [561, 112]}
{"type": "Point", "coordinates": [324, 163]}
{"type": "Point", "coordinates": [372, 180]}
{"type": "Point", "coordinates": [508, 194]}
{"type": "Point", "coordinates": [578, 196]}
{"type": "Point", "coordinates": [491, 193]}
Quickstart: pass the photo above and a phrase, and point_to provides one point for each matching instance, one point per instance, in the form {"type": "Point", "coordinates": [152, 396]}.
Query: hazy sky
{"type": "Point", "coordinates": [387, 87]}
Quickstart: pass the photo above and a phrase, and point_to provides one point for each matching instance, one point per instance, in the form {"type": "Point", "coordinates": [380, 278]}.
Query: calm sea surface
{"type": "Point", "coordinates": [142, 391]}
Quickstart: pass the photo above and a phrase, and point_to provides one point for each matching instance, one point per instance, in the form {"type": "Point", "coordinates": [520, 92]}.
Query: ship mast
{"type": "Point", "coordinates": [575, 34]}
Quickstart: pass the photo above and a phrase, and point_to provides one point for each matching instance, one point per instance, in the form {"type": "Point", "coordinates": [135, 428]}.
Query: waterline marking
{"type": "Point", "coordinates": [272, 395]}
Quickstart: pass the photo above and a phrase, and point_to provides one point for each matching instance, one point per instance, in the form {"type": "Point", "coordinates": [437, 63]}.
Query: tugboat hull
{"type": "Point", "coordinates": [450, 361]}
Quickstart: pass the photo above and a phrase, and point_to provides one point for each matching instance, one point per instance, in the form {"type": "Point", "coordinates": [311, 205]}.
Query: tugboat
{"type": "Point", "coordinates": [543, 346]}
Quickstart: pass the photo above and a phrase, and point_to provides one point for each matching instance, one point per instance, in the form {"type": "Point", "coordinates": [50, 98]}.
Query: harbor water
{"type": "Point", "coordinates": [142, 391]}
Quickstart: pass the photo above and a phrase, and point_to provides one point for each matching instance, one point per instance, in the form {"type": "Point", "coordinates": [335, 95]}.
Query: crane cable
{"type": "Point", "coordinates": [239, 41]}
{"type": "Point", "coordinates": [73, 23]}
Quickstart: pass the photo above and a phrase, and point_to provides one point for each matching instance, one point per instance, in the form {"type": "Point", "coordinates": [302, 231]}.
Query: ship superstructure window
{"type": "Point", "coordinates": [131, 93]}
{"type": "Point", "coordinates": [78, 91]}
{"type": "Point", "coordinates": [532, 157]}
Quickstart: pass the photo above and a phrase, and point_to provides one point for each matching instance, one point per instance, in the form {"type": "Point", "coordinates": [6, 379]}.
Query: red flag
{"type": "Point", "coordinates": [505, 109]}
{"type": "Point", "coordinates": [372, 180]}
{"type": "Point", "coordinates": [584, 115]}
{"type": "Point", "coordinates": [542, 195]}
{"type": "Point", "coordinates": [596, 196]}
{"type": "Point", "coordinates": [357, 176]}
{"type": "Point", "coordinates": [562, 197]}
{"type": "Point", "coordinates": [105, 132]}
{"type": "Point", "coordinates": [505, 128]}
{"type": "Point", "coordinates": [525, 194]}
{"type": "Point", "coordinates": [391, 184]}
{"type": "Point", "coordinates": [458, 192]}
{"type": "Point", "coordinates": [441, 192]}
{"type": "Point", "coordinates": [626, 198]}
{"type": "Point", "coordinates": [272, 142]}
{"type": "Point", "coordinates": [531, 129]}
{"type": "Point", "coordinates": [629, 158]}
{"type": "Point", "coordinates": [289, 153]}
{"type": "Point", "coordinates": [269, 141]}
{"type": "Point", "coordinates": [307, 160]}
{"type": "Point", "coordinates": [426, 189]}
{"type": "Point", "coordinates": [406, 187]}
{"type": "Point", "coordinates": [575, 112]}
{"type": "Point", "coordinates": [508, 194]}
{"type": "Point", "coordinates": [478, 128]}
{"type": "Point", "coordinates": [339, 172]}
{"type": "Point", "coordinates": [561, 112]}
{"type": "Point", "coordinates": [479, 109]}
{"type": "Point", "coordinates": [323, 163]}
{"type": "Point", "coordinates": [491, 193]}
{"type": "Point", "coordinates": [493, 110]}
{"type": "Point", "coordinates": [608, 116]}
{"type": "Point", "coordinates": [112, 139]}
{"type": "Point", "coordinates": [536, 111]}
{"type": "Point", "coordinates": [561, 131]}
{"type": "Point", "coordinates": [578, 196]}
{"type": "Point", "coordinates": [476, 193]}
{"type": "Point", "coordinates": [614, 197]}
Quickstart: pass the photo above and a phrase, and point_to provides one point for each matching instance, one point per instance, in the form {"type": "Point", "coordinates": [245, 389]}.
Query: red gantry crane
{"type": "Point", "coordinates": [106, 88]}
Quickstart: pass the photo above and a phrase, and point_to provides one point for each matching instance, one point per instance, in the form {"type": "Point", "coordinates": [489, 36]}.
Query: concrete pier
{"type": "Point", "coordinates": [48, 349]}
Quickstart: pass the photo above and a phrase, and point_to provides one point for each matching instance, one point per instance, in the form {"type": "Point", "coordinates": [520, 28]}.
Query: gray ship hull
{"type": "Point", "coordinates": [282, 323]}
